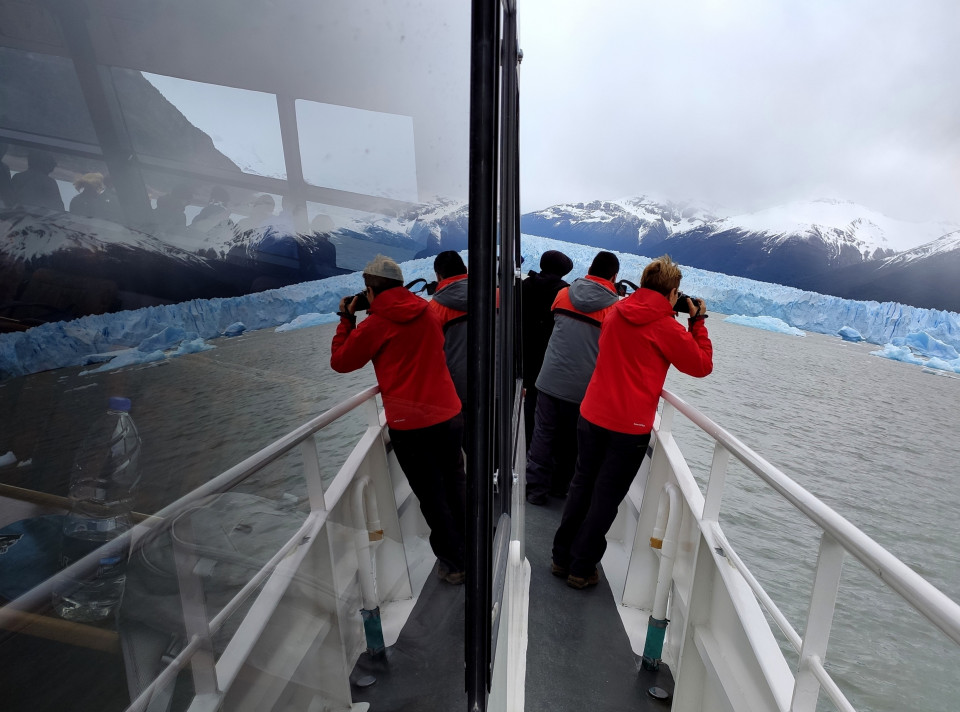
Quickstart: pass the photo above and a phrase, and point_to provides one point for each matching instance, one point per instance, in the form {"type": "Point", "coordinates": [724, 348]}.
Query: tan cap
{"type": "Point", "coordinates": [383, 266]}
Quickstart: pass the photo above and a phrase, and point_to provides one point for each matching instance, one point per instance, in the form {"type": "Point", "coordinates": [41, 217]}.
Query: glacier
{"type": "Point", "coordinates": [153, 329]}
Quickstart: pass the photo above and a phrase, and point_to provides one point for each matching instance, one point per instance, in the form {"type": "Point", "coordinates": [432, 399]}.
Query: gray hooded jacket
{"type": "Point", "coordinates": [454, 296]}
{"type": "Point", "coordinates": [578, 313]}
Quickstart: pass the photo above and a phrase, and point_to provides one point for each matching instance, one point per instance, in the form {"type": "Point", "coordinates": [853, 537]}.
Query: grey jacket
{"type": "Point", "coordinates": [454, 296]}
{"type": "Point", "coordinates": [578, 313]}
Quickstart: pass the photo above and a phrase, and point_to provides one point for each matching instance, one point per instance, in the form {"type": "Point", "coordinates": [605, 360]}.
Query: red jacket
{"type": "Point", "coordinates": [404, 340]}
{"type": "Point", "coordinates": [640, 339]}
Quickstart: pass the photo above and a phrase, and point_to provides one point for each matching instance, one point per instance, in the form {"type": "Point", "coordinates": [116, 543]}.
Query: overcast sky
{"type": "Point", "coordinates": [746, 103]}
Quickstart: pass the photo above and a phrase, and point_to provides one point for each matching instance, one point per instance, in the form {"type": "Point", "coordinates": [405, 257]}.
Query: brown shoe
{"type": "Point", "coordinates": [579, 582]}
{"type": "Point", "coordinates": [558, 570]}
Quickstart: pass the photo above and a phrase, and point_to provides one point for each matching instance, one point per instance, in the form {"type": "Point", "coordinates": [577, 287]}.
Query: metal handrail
{"type": "Point", "coordinates": [923, 596]}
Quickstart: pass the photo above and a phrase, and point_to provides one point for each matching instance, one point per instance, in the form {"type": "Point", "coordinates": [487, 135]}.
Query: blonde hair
{"type": "Point", "coordinates": [662, 275]}
{"type": "Point", "coordinates": [89, 180]}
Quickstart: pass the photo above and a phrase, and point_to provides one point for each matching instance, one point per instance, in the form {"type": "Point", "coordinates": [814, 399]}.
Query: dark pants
{"type": "Point", "coordinates": [607, 463]}
{"type": "Point", "coordinates": [552, 454]}
{"type": "Point", "coordinates": [433, 463]}
{"type": "Point", "coordinates": [529, 411]}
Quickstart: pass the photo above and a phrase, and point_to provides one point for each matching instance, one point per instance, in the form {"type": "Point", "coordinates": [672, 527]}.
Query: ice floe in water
{"type": "Point", "coordinates": [767, 323]}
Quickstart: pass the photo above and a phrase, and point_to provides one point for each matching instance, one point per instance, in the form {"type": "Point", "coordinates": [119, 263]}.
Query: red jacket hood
{"type": "Point", "coordinates": [398, 305]}
{"type": "Point", "coordinates": [645, 306]}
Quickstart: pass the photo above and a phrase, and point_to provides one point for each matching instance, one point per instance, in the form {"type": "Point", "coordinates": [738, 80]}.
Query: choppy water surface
{"type": "Point", "coordinates": [197, 415]}
{"type": "Point", "coordinates": [873, 438]}
{"type": "Point", "coordinates": [877, 441]}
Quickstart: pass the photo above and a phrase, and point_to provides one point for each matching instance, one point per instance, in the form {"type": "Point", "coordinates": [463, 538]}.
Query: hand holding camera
{"type": "Point", "coordinates": [692, 305]}
{"type": "Point", "coordinates": [354, 303]}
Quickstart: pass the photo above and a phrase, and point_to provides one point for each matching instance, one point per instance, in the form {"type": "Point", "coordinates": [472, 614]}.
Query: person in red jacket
{"type": "Point", "coordinates": [404, 340]}
{"type": "Point", "coordinates": [639, 342]}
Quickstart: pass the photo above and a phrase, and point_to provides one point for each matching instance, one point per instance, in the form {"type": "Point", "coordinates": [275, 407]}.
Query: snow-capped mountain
{"type": "Point", "coordinates": [925, 276]}
{"type": "Point", "coordinates": [781, 244]}
{"type": "Point", "coordinates": [434, 226]}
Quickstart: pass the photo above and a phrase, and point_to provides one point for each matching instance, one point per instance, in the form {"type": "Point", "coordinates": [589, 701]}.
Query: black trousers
{"type": "Point", "coordinates": [552, 453]}
{"type": "Point", "coordinates": [607, 463]}
{"type": "Point", "coordinates": [432, 460]}
{"type": "Point", "coordinates": [529, 411]}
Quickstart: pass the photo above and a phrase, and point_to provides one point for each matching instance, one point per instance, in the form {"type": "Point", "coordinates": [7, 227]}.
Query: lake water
{"type": "Point", "coordinates": [874, 439]}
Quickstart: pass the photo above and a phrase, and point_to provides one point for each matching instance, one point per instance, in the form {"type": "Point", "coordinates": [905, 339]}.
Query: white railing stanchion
{"type": "Point", "coordinates": [718, 479]}
{"type": "Point", "coordinates": [372, 411]}
{"type": "Point", "coordinates": [196, 624]}
{"type": "Point", "coordinates": [311, 472]}
{"type": "Point", "coordinates": [823, 600]}
{"type": "Point", "coordinates": [666, 418]}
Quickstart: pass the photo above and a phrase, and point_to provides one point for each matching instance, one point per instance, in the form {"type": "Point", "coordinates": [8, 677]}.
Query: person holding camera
{"type": "Point", "coordinates": [639, 342]}
{"type": "Point", "coordinates": [404, 339]}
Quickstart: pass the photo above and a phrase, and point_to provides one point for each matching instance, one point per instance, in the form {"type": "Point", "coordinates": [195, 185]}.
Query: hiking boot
{"type": "Point", "coordinates": [558, 570]}
{"type": "Point", "coordinates": [579, 582]}
{"type": "Point", "coordinates": [455, 578]}
{"type": "Point", "coordinates": [537, 498]}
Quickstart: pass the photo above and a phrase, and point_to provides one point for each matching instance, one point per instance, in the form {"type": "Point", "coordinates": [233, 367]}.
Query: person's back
{"type": "Point", "coordinates": [403, 338]}
{"type": "Point", "coordinates": [579, 311]}
{"type": "Point", "coordinates": [89, 201]}
{"type": "Point", "coordinates": [537, 293]}
{"type": "Point", "coordinates": [34, 187]}
{"type": "Point", "coordinates": [640, 340]}
{"type": "Point", "coordinates": [450, 305]}
{"type": "Point", "coordinates": [571, 354]}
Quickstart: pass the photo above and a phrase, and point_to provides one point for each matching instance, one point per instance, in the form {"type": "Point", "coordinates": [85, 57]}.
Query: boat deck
{"type": "Point", "coordinates": [578, 654]}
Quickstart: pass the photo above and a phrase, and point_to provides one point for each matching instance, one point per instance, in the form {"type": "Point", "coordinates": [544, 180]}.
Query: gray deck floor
{"type": "Point", "coordinates": [578, 655]}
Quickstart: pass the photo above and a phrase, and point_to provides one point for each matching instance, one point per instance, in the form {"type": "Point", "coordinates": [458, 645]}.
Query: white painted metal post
{"type": "Point", "coordinates": [718, 478]}
{"type": "Point", "coordinates": [372, 412]}
{"type": "Point", "coordinates": [666, 419]}
{"type": "Point", "coordinates": [823, 600]}
{"type": "Point", "coordinates": [311, 471]}
{"type": "Point", "coordinates": [196, 624]}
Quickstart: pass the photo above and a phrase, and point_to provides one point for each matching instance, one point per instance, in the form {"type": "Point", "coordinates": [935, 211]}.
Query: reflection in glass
{"type": "Point", "coordinates": [360, 151]}
{"type": "Point", "coordinates": [242, 124]}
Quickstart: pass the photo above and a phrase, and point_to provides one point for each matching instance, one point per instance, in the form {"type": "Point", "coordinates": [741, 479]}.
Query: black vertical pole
{"type": "Point", "coordinates": [508, 238]}
{"type": "Point", "coordinates": [480, 344]}
{"type": "Point", "coordinates": [104, 111]}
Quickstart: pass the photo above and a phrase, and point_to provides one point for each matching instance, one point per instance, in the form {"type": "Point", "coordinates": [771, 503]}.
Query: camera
{"type": "Point", "coordinates": [681, 305]}
{"type": "Point", "coordinates": [362, 302]}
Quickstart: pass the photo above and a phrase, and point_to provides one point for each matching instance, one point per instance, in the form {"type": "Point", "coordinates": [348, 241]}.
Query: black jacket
{"type": "Point", "coordinates": [537, 293]}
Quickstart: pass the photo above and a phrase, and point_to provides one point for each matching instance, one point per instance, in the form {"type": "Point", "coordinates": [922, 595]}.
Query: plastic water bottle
{"type": "Point", "coordinates": [104, 476]}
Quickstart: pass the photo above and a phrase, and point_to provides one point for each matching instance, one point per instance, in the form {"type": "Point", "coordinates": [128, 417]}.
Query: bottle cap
{"type": "Point", "coordinates": [120, 403]}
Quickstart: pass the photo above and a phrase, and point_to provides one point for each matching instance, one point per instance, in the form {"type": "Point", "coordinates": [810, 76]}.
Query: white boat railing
{"type": "Point", "coordinates": [709, 549]}
{"type": "Point", "coordinates": [214, 676]}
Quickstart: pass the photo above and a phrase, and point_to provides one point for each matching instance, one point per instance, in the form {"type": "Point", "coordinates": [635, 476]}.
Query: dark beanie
{"type": "Point", "coordinates": [555, 262]}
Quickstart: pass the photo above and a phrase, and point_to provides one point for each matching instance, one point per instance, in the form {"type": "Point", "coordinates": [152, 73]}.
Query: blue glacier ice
{"type": "Point", "coordinates": [848, 333]}
{"type": "Point", "coordinates": [166, 339]}
{"type": "Point", "coordinates": [767, 323]}
{"type": "Point", "coordinates": [926, 345]}
{"type": "Point", "coordinates": [72, 343]}
{"type": "Point", "coordinates": [305, 320]}
{"type": "Point", "coordinates": [941, 365]}
{"type": "Point", "coordinates": [898, 353]}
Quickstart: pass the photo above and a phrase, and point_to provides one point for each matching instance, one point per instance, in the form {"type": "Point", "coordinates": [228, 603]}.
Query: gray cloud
{"type": "Point", "coordinates": [748, 103]}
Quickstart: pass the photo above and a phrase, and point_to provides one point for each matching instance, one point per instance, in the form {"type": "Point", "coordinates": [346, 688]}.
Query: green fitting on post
{"type": "Point", "coordinates": [653, 647]}
{"type": "Point", "coordinates": [373, 630]}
